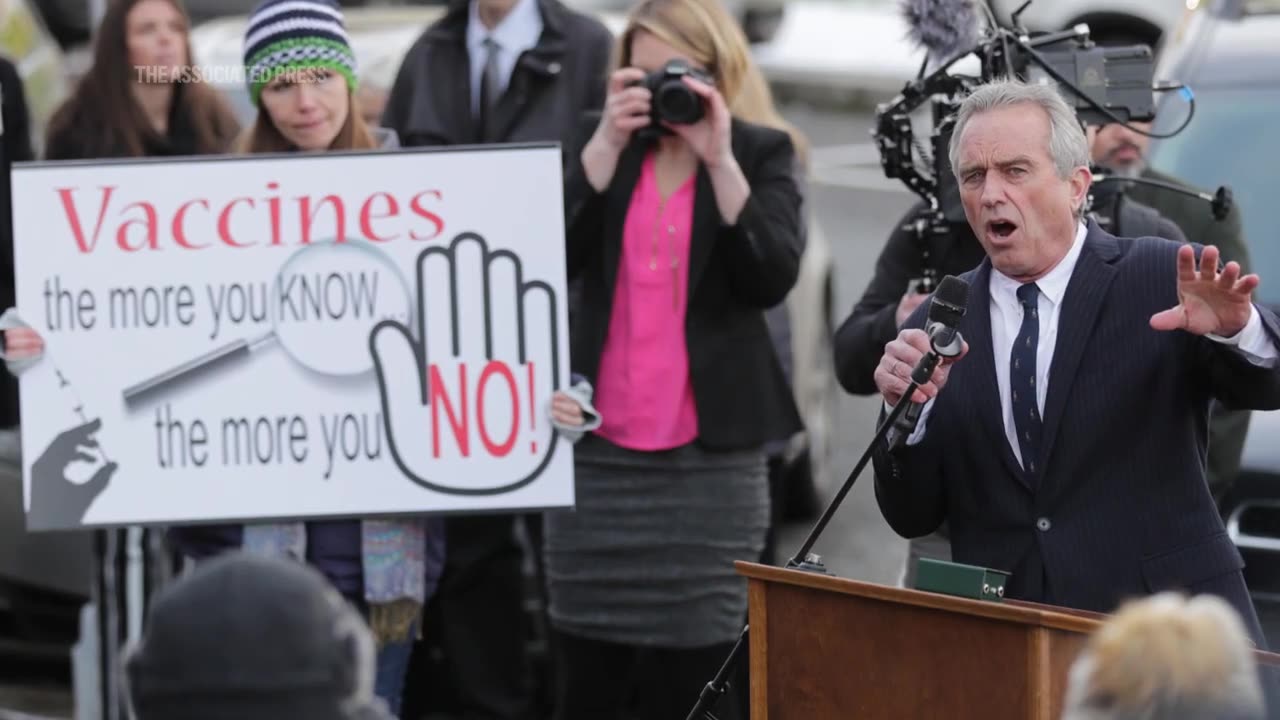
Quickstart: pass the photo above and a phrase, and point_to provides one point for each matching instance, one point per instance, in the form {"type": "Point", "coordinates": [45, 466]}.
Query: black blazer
{"type": "Point", "coordinates": [1122, 508]}
{"type": "Point", "coordinates": [735, 273]}
{"type": "Point", "coordinates": [16, 148]}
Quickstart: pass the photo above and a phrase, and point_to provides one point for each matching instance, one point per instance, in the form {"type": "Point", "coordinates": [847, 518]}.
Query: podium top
{"type": "Point", "coordinates": [1011, 611]}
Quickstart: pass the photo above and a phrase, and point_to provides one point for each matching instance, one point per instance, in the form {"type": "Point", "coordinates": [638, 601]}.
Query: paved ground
{"type": "Point", "coordinates": [856, 206]}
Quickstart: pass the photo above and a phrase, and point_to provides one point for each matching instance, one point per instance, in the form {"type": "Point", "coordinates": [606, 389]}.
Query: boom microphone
{"type": "Point", "coordinates": [946, 308]}
{"type": "Point", "coordinates": [943, 28]}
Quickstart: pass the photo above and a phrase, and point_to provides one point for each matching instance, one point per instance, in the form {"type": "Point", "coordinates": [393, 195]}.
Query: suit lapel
{"type": "Point", "coordinates": [707, 223]}
{"type": "Point", "coordinates": [534, 72]}
{"type": "Point", "coordinates": [1081, 304]}
{"type": "Point", "coordinates": [457, 84]}
{"type": "Point", "coordinates": [982, 355]}
{"type": "Point", "coordinates": [706, 218]}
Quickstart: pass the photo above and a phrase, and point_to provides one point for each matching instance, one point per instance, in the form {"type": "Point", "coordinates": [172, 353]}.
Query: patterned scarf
{"type": "Point", "coordinates": [394, 561]}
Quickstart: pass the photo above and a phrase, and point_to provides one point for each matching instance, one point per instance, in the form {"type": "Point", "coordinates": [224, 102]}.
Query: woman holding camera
{"type": "Point", "coordinates": [681, 234]}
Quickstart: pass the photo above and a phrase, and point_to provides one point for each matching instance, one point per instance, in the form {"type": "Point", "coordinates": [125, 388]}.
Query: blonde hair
{"type": "Point", "coordinates": [755, 104]}
{"type": "Point", "coordinates": [701, 29]}
{"type": "Point", "coordinates": [704, 31]}
{"type": "Point", "coordinates": [1167, 658]}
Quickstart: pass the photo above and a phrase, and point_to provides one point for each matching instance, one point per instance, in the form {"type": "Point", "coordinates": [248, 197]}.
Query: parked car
{"type": "Point", "coordinates": [1231, 61]}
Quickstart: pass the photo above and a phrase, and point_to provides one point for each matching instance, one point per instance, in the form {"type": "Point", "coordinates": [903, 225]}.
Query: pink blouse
{"type": "Point", "coordinates": [644, 394]}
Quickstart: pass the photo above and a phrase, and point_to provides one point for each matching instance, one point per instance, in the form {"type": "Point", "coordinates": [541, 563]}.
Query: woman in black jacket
{"type": "Point", "coordinates": [681, 235]}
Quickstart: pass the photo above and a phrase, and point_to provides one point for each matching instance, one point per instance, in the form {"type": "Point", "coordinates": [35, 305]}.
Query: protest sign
{"type": "Point", "coordinates": [301, 336]}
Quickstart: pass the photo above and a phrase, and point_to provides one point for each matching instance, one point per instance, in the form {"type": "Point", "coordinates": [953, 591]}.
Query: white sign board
{"type": "Point", "coordinates": [302, 336]}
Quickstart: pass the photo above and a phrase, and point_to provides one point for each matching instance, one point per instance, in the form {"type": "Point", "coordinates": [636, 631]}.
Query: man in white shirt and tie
{"type": "Point", "coordinates": [1069, 445]}
{"type": "Point", "coordinates": [493, 71]}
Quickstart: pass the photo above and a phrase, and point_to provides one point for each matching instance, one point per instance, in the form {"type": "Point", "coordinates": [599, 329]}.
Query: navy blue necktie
{"type": "Point", "coordinates": [1022, 379]}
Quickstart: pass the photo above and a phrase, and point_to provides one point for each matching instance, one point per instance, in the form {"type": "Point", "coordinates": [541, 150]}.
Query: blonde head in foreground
{"type": "Point", "coordinates": [1167, 657]}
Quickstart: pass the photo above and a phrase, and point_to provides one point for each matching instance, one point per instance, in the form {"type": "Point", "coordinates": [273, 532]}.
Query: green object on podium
{"type": "Point", "coordinates": [968, 581]}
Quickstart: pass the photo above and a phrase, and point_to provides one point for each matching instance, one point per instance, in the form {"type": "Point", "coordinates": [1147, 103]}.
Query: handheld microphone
{"type": "Point", "coordinates": [946, 308]}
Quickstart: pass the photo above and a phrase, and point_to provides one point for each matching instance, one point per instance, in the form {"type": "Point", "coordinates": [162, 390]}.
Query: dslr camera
{"type": "Point", "coordinates": [673, 101]}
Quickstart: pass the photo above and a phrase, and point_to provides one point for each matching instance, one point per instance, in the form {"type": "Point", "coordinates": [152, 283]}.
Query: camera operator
{"type": "Point", "coordinates": [892, 296]}
{"type": "Point", "coordinates": [683, 225]}
{"type": "Point", "coordinates": [1123, 151]}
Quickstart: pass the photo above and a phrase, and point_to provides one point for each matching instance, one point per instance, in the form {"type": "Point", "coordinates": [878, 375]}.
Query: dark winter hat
{"type": "Point", "coordinates": [251, 638]}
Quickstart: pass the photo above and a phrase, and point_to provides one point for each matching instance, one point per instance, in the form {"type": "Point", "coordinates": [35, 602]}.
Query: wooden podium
{"type": "Point", "coordinates": [823, 648]}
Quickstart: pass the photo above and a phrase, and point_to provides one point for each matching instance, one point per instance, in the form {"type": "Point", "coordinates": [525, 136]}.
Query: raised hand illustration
{"type": "Point", "coordinates": [464, 394]}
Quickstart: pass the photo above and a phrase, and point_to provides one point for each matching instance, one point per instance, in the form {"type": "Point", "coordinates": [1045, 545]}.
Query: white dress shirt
{"type": "Point", "coordinates": [517, 32]}
{"type": "Point", "coordinates": [1006, 321]}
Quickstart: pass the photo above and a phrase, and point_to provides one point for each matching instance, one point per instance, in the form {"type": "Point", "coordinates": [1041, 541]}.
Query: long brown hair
{"type": "Point", "coordinates": [264, 137]}
{"type": "Point", "coordinates": [103, 115]}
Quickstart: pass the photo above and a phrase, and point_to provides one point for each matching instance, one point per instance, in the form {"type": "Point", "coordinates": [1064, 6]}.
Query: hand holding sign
{"type": "Point", "coordinates": [472, 383]}
{"type": "Point", "coordinates": [55, 499]}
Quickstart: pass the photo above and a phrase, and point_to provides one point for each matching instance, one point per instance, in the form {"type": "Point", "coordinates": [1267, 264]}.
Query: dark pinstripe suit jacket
{"type": "Point", "coordinates": [1122, 508]}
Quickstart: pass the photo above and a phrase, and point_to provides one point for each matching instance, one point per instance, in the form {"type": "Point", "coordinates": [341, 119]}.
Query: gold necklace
{"type": "Point", "coordinates": [675, 260]}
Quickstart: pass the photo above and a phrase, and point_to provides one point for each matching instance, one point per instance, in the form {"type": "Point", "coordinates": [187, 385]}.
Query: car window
{"type": "Point", "coordinates": [1233, 141]}
{"type": "Point", "coordinates": [1261, 7]}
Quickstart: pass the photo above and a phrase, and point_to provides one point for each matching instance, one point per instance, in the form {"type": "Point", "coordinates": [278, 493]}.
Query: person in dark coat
{"type": "Point", "coordinates": [16, 127]}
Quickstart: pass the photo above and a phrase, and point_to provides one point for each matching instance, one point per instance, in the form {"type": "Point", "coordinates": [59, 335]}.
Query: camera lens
{"type": "Point", "coordinates": [678, 104]}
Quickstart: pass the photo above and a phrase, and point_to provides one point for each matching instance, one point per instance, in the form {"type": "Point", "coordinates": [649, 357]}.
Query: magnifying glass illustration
{"type": "Point", "coordinates": [322, 305]}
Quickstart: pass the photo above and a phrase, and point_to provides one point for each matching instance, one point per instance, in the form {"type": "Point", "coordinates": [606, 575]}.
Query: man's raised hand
{"type": "Point", "coordinates": [1209, 301]}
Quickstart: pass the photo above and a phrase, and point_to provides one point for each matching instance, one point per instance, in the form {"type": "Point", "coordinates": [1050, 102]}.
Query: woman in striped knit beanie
{"type": "Point", "coordinates": [301, 74]}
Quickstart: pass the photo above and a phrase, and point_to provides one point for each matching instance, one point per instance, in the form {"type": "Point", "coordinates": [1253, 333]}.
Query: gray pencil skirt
{"type": "Point", "coordinates": [646, 557]}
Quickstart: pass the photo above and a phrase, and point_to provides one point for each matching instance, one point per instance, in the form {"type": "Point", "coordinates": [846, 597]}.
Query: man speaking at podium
{"type": "Point", "coordinates": [1068, 446]}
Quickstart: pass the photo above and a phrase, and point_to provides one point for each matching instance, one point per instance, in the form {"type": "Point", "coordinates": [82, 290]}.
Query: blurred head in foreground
{"type": "Point", "coordinates": [1167, 657]}
{"type": "Point", "coordinates": [251, 638]}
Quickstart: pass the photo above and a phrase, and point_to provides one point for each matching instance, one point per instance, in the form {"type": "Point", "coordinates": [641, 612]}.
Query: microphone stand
{"type": "Point", "coordinates": [805, 561]}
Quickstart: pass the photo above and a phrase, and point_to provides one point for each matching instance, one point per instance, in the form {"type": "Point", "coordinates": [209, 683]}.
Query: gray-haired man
{"type": "Point", "coordinates": [1068, 447]}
